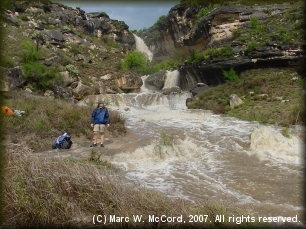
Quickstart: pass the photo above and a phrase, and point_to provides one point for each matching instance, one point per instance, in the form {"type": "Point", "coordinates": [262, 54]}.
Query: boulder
{"type": "Point", "coordinates": [53, 35]}
{"type": "Point", "coordinates": [67, 78]}
{"type": "Point", "coordinates": [171, 90]}
{"type": "Point", "coordinates": [28, 90]}
{"type": "Point", "coordinates": [53, 21]}
{"type": "Point", "coordinates": [79, 57]}
{"type": "Point", "coordinates": [80, 90]}
{"type": "Point", "coordinates": [156, 81]}
{"type": "Point", "coordinates": [235, 100]}
{"type": "Point", "coordinates": [188, 101]}
{"type": "Point", "coordinates": [49, 94]}
{"type": "Point", "coordinates": [199, 88]}
{"type": "Point", "coordinates": [16, 77]}
{"type": "Point", "coordinates": [60, 91]}
{"type": "Point", "coordinates": [129, 81]}
{"type": "Point", "coordinates": [106, 77]}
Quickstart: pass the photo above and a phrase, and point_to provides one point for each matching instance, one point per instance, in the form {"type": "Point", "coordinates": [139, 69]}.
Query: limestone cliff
{"type": "Point", "coordinates": [258, 37]}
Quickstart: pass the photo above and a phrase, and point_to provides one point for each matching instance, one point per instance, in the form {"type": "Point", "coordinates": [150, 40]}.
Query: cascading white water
{"type": "Point", "coordinates": [172, 79]}
{"type": "Point", "coordinates": [241, 164]}
{"type": "Point", "coordinates": [142, 47]}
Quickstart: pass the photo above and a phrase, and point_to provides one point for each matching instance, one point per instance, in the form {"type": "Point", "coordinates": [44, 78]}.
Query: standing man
{"type": "Point", "coordinates": [99, 122]}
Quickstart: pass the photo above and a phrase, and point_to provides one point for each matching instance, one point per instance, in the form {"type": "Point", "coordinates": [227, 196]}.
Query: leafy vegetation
{"type": "Point", "coordinates": [40, 76]}
{"type": "Point", "coordinates": [264, 93]}
{"type": "Point", "coordinates": [203, 12]}
{"type": "Point", "coordinates": [30, 54]}
{"type": "Point", "coordinates": [160, 20]}
{"type": "Point", "coordinates": [134, 60]}
{"type": "Point", "coordinates": [230, 75]}
{"type": "Point", "coordinates": [72, 70]}
{"type": "Point", "coordinates": [222, 52]}
{"type": "Point", "coordinates": [274, 29]}
{"type": "Point", "coordinates": [195, 57]}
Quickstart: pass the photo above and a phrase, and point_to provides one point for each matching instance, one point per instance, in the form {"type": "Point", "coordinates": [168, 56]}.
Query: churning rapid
{"type": "Point", "coordinates": [196, 155]}
{"type": "Point", "coordinates": [243, 164]}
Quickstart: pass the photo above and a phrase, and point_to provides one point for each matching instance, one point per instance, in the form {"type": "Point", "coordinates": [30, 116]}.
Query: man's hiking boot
{"type": "Point", "coordinates": [93, 145]}
{"type": "Point", "coordinates": [102, 145]}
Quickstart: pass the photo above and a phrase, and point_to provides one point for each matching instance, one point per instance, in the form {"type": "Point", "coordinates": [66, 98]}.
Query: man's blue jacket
{"type": "Point", "coordinates": [100, 116]}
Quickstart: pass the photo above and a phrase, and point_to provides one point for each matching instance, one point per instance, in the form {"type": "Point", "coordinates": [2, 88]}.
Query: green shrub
{"type": "Point", "coordinates": [168, 64]}
{"type": "Point", "coordinates": [251, 46]}
{"type": "Point", "coordinates": [30, 53]}
{"type": "Point", "coordinates": [223, 52]}
{"type": "Point", "coordinates": [160, 20]}
{"type": "Point", "coordinates": [227, 51]}
{"type": "Point", "coordinates": [41, 76]}
{"type": "Point", "coordinates": [72, 69]}
{"type": "Point", "coordinates": [66, 27]}
{"type": "Point", "coordinates": [254, 23]}
{"type": "Point", "coordinates": [202, 12]}
{"type": "Point", "coordinates": [195, 57]}
{"type": "Point", "coordinates": [117, 25]}
{"type": "Point", "coordinates": [38, 35]}
{"type": "Point", "coordinates": [212, 52]}
{"type": "Point", "coordinates": [230, 75]}
{"type": "Point", "coordinates": [134, 60]}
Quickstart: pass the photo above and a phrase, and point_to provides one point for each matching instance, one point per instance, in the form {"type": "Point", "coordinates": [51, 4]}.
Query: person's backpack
{"type": "Point", "coordinates": [63, 142]}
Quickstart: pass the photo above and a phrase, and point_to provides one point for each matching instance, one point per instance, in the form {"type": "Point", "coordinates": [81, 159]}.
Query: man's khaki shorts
{"type": "Point", "coordinates": [99, 128]}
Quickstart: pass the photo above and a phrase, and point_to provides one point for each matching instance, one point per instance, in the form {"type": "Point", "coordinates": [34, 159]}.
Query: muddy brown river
{"type": "Point", "coordinates": [196, 155]}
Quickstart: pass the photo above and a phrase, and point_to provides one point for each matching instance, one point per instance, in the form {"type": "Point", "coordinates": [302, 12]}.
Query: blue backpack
{"type": "Point", "coordinates": [63, 142]}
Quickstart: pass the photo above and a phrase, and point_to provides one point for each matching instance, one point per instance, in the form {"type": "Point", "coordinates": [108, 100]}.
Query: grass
{"type": "Point", "coordinates": [68, 192]}
{"type": "Point", "coordinates": [264, 109]}
{"type": "Point", "coordinates": [165, 145]}
{"type": "Point", "coordinates": [45, 119]}
{"type": "Point", "coordinates": [273, 29]}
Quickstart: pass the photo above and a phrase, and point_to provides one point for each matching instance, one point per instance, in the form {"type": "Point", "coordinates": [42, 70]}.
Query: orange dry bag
{"type": "Point", "coordinates": [7, 110]}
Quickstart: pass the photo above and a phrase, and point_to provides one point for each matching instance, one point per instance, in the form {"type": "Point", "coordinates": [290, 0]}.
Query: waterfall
{"type": "Point", "coordinates": [142, 47]}
{"type": "Point", "coordinates": [172, 79]}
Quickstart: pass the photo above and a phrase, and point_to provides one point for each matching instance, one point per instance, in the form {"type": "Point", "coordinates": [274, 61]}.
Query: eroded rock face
{"type": "Point", "coordinates": [180, 31]}
{"type": "Point", "coordinates": [57, 28]}
{"type": "Point", "coordinates": [129, 81]}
